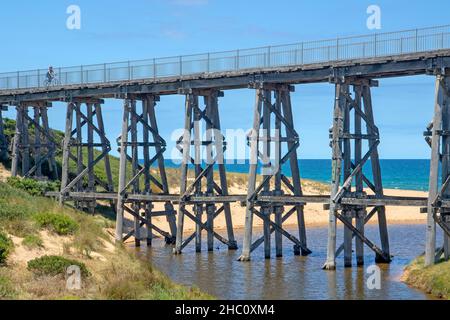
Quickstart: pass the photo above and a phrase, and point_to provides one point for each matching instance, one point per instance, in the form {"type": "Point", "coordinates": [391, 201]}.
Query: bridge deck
{"type": "Point", "coordinates": [373, 68]}
{"type": "Point", "coordinates": [403, 53]}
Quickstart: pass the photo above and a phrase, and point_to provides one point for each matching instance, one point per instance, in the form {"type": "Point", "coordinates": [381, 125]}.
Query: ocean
{"type": "Point", "coordinates": [396, 174]}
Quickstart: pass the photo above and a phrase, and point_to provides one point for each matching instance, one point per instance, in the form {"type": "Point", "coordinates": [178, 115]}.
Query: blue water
{"type": "Point", "coordinates": [396, 174]}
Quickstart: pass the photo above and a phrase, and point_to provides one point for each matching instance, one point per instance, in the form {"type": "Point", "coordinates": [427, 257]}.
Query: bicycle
{"type": "Point", "coordinates": [54, 81]}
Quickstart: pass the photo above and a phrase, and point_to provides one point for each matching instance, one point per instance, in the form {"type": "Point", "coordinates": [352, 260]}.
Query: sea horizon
{"type": "Point", "coordinates": [404, 174]}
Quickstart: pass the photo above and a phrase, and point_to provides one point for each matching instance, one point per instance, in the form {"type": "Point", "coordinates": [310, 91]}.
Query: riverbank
{"type": "Point", "coordinates": [434, 280]}
{"type": "Point", "coordinates": [39, 239]}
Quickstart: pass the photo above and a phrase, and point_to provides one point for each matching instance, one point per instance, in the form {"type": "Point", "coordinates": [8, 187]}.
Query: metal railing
{"type": "Point", "coordinates": [358, 47]}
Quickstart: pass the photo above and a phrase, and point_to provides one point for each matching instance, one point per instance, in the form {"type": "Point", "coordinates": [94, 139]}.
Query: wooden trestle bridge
{"type": "Point", "coordinates": [352, 65]}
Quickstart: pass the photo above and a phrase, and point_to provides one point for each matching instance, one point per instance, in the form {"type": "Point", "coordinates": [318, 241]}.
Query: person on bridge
{"type": "Point", "coordinates": [50, 74]}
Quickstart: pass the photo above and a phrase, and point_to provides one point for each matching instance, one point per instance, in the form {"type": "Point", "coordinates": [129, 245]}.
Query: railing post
{"type": "Point", "coordinates": [236, 61]}
{"type": "Point", "coordinates": [39, 78]}
{"type": "Point", "coordinates": [104, 72]}
{"type": "Point", "coordinates": [269, 48]}
{"type": "Point", "coordinates": [18, 79]}
{"type": "Point", "coordinates": [442, 40]}
{"type": "Point", "coordinates": [303, 54]}
{"type": "Point", "coordinates": [81, 73]}
{"type": "Point", "coordinates": [154, 68]}
{"type": "Point", "coordinates": [417, 40]}
{"type": "Point", "coordinates": [129, 71]}
{"type": "Point", "coordinates": [375, 45]}
{"type": "Point", "coordinates": [207, 63]}
{"type": "Point", "coordinates": [181, 66]}
{"type": "Point", "coordinates": [337, 49]}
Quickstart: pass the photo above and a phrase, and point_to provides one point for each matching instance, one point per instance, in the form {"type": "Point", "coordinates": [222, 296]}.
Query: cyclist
{"type": "Point", "coordinates": [50, 74]}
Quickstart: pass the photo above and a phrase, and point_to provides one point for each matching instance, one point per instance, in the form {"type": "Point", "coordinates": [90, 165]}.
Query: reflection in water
{"type": "Point", "coordinates": [292, 277]}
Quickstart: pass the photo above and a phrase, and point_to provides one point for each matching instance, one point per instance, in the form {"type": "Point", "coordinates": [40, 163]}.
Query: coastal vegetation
{"type": "Point", "coordinates": [39, 240]}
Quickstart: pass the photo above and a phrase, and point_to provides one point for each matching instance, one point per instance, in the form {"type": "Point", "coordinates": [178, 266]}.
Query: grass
{"type": "Point", "coordinates": [33, 241]}
{"type": "Point", "coordinates": [115, 273]}
{"type": "Point", "coordinates": [434, 279]}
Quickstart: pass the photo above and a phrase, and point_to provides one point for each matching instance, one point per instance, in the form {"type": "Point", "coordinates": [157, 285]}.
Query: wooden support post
{"type": "Point", "coordinates": [254, 137]}
{"type": "Point", "coordinates": [37, 142]}
{"type": "Point", "coordinates": [360, 213]}
{"type": "Point", "coordinates": [266, 210]}
{"type": "Point", "coordinates": [445, 161]}
{"type": "Point", "coordinates": [147, 188]}
{"type": "Point", "coordinates": [278, 210]}
{"type": "Point", "coordinates": [376, 172]}
{"type": "Point", "coordinates": [439, 190]}
{"type": "Point", "coordinates": [49, 139]}
{"type": "Point", "coordinates": [3, 142]}
{"type": "Point", "coordinates": [122, 172]}
{"type": "Point", "coordinates": [66, 151]}
{"type": "Point", "coordinates": [134, 171]}
{"type": "Point", "coordinates": [338, 127]}
{"type": "Point", "coordinates": [347, 212]}
{"type": "Point", "coordinates": [348, 238]}
{"type": "Point", "coordinates": [16, 143]}
{"type": "Point", "coordinates": [219, 146]}
{"type": "Point", "coordinates": [184, 170]}
{"type": "Point", "coordinates": [25, 150]}
{"type": "Point", "coordinates": [210, 207]}
{"type": "Point", "coordinates": [198, 208]}
{"type": "Point", "coordinates": [296, 181]}
{"type": "Point", "coordinates": [90, 155]}
{"type": "Point", "coordinates": [159, 149]}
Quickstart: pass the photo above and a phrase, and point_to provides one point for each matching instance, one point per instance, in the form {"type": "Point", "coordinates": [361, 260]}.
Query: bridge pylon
{"type": "Point", "coordinates": [31, 155]}
{"type": "Point", "coordinates": [3, 142]}
{"type": "Point", "coordinates": [348, 179]}
{"type": "Point", "coordinates": [84, 146]}
{"type": "Point", "coordinates": [137, 178]}
{"type": "Point", "coordinates": [266, 152]}
{"type": "Point", "coordinates": [202, 132]}
{"type": "Point", "coordinates": [438, 137]}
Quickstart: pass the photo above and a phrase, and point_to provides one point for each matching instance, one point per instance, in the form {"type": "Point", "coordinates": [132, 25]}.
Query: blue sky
{"type": "Point", "coordinates": [36, 36]}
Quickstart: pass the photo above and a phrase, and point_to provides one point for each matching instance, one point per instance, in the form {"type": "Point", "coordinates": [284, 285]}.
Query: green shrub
{"type": "Point", "coordinates": [54, 265]}
{"type": "Point", "coordinates": [33, 187]}
{"type": "Point", "coordinates": [33, 241]}
{"type": "Point", "coordinates": [60, 223]}
{"type": "Point", "coordinates": [6, 246]}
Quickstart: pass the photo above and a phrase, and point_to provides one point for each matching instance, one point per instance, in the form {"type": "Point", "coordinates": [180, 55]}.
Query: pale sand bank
{"type": "Point", "coordinates": [315, 215]}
